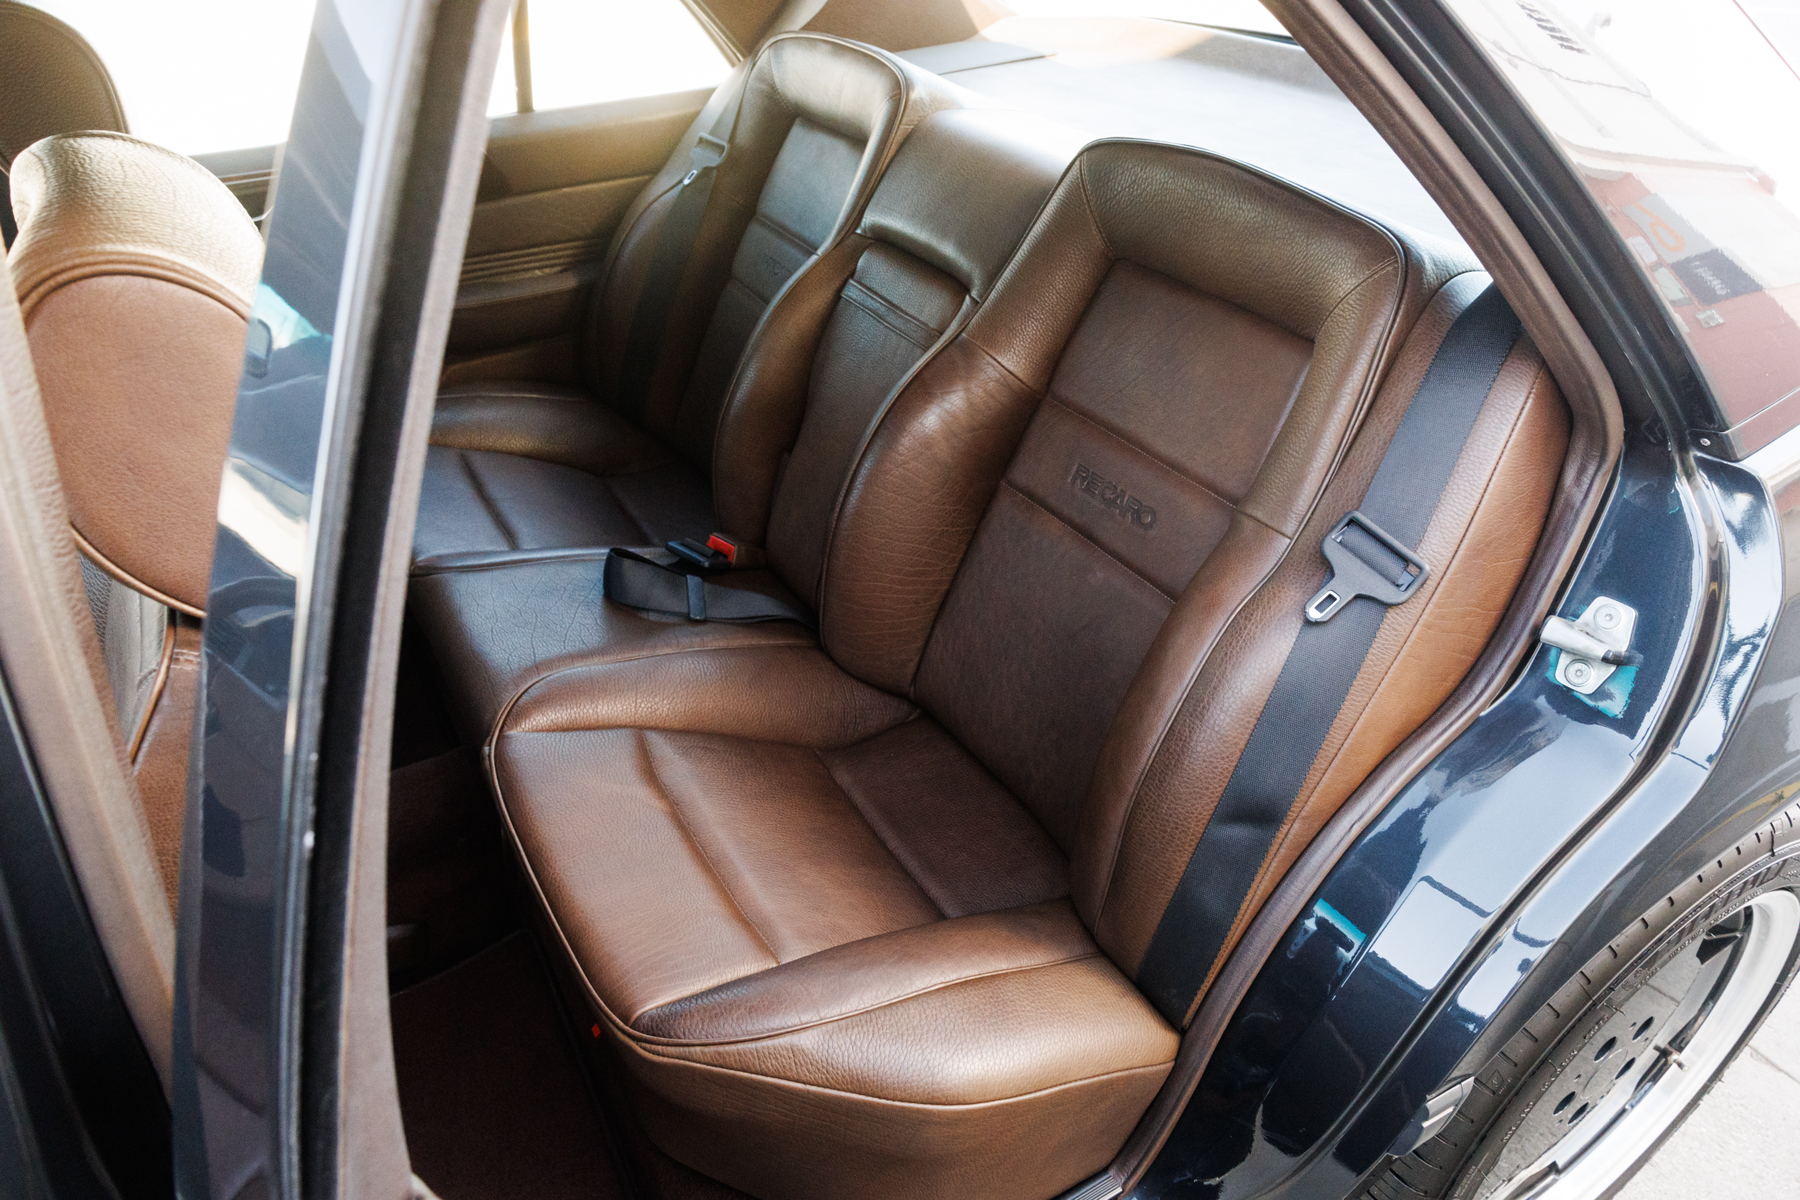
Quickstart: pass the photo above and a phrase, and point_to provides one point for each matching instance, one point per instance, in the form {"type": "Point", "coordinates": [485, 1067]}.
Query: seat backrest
{"type": "Point", "coordinates": [51, 81]}
{"type": "Point", "coordinates": [135, 269]}
{"type": "Point", "coordinates": [1152, 399]}
{"type": "Point", "coordinates": [1083, 535]}
{"type": "Point", "coordinates": [818, 120]}
{"type": "Point", "coordinates": [948, 214]}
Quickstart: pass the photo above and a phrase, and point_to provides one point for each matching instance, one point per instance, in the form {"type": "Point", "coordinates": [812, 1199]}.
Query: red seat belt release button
{"type": "Point", "coordinates": [725, 546]}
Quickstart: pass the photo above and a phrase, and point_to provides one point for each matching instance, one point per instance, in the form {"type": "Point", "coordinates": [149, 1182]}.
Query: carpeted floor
{"type": "Point", "coordinates": [494, 1098]}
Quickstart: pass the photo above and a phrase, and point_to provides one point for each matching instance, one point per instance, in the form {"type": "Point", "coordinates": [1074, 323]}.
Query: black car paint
{"type": "Point", "coordinates": [241, 940]}
{"type": "Point", "coordinates": [1533, 839]}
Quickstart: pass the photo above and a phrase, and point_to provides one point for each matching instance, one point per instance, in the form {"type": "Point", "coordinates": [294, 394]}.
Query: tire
{"type": "Point", "coordinates": [1595, 1050]}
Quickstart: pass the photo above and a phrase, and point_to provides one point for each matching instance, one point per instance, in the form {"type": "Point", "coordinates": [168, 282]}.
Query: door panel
{"type": "Point", "coordinates": [554, 186]}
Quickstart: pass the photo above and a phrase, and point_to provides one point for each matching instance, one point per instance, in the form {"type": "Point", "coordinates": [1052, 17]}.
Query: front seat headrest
{"type": "Point", "coordinates": [135, 269]}
{"type": "Point", "coordinates": [51, 81]}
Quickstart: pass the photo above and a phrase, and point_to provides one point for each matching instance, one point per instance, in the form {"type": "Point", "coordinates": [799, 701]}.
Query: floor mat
{"type": "Point", "coordinates": [490, 1087]}
{"type": "Point", "coordinates": [450, 889]}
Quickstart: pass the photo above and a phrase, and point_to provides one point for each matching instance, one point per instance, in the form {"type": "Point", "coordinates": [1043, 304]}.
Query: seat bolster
{"type": "Point", "coordinates": [762, 412]}
{"type": "Point", "coordinates": [1021, 1080]}
{"type": "Point", "coordinates": [857, 978]}
{"type": "Point", "coordinates": [497, 622]}
{"type": "Point", "coordinates": [546, 422]}
{"type": "Point", "coordinates": [725, 690]}
{"type": "Point", "coordinates": [994, 1036]}
{"type": "Point", "coordinates": [911, 507]}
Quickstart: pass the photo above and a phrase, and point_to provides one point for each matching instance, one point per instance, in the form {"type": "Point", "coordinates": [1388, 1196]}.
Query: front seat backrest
{"type": "Point", "coordinates": [51, 81]}
{"type": "Point", "coordinates": [135, 269]}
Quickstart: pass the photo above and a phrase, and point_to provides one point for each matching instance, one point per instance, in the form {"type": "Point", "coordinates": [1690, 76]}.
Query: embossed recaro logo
{"type": "Point", "coordinates": [1113, 495]}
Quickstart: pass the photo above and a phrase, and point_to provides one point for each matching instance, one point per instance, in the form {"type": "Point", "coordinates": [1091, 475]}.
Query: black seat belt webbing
{"type": "Point", "coordinates": [668, 261]}
{"type": "Point", "coordinates": [1326, 656]}
{"type": "Point", "coordinates": [635, 581]}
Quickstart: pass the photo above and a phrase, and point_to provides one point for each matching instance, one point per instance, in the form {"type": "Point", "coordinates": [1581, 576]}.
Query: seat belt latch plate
{"type": "Point", "coordinates": [700, 556]}
{"type": "Point", "coordinates": [1365, 561]}
{"type": "Point", "coordinates": [707, 153]}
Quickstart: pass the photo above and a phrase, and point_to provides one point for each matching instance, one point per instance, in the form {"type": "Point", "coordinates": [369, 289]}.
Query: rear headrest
{"type": "Point", "coordinates": [135, 269]}
{"type": "Point", "coordinates": [51, 81]}
{"type": "Point", "coordinates": [964, 187]}
{"type": "Point", "coordinates": [849, 88]}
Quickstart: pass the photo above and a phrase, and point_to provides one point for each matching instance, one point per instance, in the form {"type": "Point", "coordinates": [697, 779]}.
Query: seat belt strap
{"type": "Point", "coordinates": [1371, 552]}
{"type": "Point", "coordinates": [635, 581]}
{"type": "Point", "coordinates": [668, 260]}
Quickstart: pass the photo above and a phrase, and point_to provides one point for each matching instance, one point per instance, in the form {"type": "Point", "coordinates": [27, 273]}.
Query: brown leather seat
{"type": "Point", "coordinates": [815, 379]}
{"type": "Point", "coordinates": [136, 315]}
{"type": "Point", "coordinates": [865, 918]}
{"type": "Point", "coordinates": [525, 466]}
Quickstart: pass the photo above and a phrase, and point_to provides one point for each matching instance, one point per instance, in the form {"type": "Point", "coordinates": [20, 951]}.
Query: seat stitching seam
{"type": "Point", "coordinates": [487, 502]}
{"type": "Point", "coordinates": [687, 832]}
{"type": "Point", "coordinates": [930, 1104]}
{"type": "Point", "coordinates": [851, 797]}
{"type": "Point", "coordinates": [1087, 204]}
{"type": "Point", "coordinates": [1350, 292]}
{"type": "Point", "coordinates": [877, 1006]}
{"type": "Point", "coordinates": [1007, 484]}
{"type": "Point", "coordinates": [520, 694]}
{"type": "Point", "coordinates": [875, 310]}
{"type": "Point", "coordinates": [792, 237]}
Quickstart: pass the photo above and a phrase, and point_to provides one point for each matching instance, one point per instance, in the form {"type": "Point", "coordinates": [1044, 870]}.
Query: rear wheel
{"type": "Point", "coordinates": [1635, 1039]}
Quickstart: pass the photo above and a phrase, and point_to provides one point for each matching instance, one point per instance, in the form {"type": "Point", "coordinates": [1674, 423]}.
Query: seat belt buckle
{"type": "Point", "coordinates": [707, 153]}
{"type": "Point", "coordinates": [1365, 561]}
{"type": "Point", "coordinates": [704, 556]}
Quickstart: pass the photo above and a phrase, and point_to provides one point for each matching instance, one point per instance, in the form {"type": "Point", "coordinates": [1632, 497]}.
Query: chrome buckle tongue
{"type": "Point", "coordinates": [708, 152]}
{"type": "Point", "coordinates": [1365, 561]}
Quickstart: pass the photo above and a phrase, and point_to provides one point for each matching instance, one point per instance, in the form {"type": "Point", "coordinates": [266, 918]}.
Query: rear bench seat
{"type": "Point", "coordinates": [869, 915]}
{"type": "Point", "coordinates": [949, 212]}
{"type": "Point", "coordinates": [529, 466]}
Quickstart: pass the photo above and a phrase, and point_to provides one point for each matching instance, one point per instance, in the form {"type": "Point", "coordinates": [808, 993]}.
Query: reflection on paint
{"type": "Point", "coordinates": [267, 513]}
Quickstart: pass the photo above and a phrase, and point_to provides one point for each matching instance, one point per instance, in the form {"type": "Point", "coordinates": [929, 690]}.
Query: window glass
{"type": "Point", "coordinates": [1679, 115]}
{"type": "Point", "coordinates": [590, 51]}
{"type": "Point", "coordinates": [198, 75]}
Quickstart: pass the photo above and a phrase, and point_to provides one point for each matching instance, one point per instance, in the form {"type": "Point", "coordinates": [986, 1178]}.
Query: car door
{"type": "Point", "coordinates": [588, 102]}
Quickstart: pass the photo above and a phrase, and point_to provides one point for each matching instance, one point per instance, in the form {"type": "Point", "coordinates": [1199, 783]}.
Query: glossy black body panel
{"type": "Point", "coordinates": [1531, 841]}
{"type": "Point", "coordinates": [241, 934]}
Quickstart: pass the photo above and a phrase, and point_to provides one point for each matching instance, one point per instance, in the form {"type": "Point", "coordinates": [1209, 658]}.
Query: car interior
{"type": "Point", "coordinates": [1003, 376]}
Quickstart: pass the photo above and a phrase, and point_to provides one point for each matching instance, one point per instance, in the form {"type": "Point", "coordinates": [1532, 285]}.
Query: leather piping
{"type": "Point", "coordinates": [940, 985]}
{"type": "Point", "coordinates": [958, 323]}
{"type": "Point", "coordinates": [156, 688]}
{"type": "Point", "coordinates": [147, 266]}
{"type": "Point", "coordinates": [506, 710]}
{"type": "Point", "coordinates": [129, 580]}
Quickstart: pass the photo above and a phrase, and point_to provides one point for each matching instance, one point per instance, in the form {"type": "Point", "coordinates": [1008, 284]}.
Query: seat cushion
{"type": "Point", "coordinates": [808, 917]}
{"type": "Point", "coordinates": [498, 621]}
{"type": "Point", "coordinates": [529, 466]}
